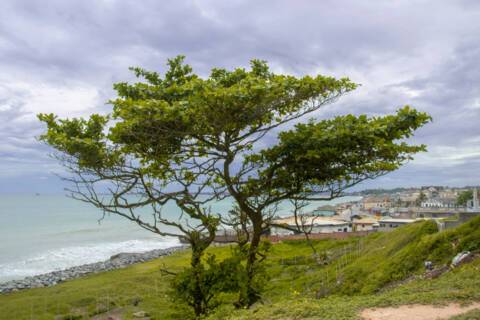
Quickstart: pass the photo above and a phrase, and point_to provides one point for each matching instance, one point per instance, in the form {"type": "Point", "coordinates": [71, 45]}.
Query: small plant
{"type": "Point", "coordinates": [206, 283]}
{"type": "Point", "coordinates": [72, 317]}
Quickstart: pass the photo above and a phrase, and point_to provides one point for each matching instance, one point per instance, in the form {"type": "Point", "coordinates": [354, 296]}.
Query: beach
{"type": "Point", "coordinates": [117, 261]}
{"type": "Point", "coordinates": [40, 234]}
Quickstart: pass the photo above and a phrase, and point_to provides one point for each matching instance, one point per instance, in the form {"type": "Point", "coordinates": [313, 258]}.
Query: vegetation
{"type": "Point", "coordinates": [472, 315]}
{"type": "Point", "coordinates": [218, 277]}
{"type": "Point", "coordinates": [464, 197]}
{"type": "Point", "coordinates": [171, 138]}
{"type": "Point", "coordinates": [379, 270]}
{"type": "Point", "coordinates": [421, 197]}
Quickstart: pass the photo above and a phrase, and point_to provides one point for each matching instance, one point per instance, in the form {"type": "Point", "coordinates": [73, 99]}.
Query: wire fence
{"type": "Point", "coordinates": [319, 236]}
{"type": "Point", "coordinates": [333, 262]}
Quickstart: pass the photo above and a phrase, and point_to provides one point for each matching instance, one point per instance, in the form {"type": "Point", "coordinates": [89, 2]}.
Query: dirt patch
{"type": "Point", "coordinates": [417, 312]}
{"type": "Point", "coordinates": [115, 314]}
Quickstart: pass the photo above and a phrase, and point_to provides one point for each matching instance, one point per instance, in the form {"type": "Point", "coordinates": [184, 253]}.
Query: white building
{"type": "Point", "coordinates": [287, 226]}
{"type": "Point", "coordinates": [438, 203]}
{"type": "Point", "coordinates": [349, 211]}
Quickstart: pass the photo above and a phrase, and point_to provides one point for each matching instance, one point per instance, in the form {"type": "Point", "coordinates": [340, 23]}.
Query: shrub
{"type": "Point", "coordinates": [209, 282]}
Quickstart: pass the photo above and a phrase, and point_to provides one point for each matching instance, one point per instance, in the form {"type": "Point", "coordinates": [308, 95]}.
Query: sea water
{"type": "Point", "coordinates": [44, 233]}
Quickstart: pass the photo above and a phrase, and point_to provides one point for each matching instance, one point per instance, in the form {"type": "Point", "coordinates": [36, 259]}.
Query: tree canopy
{"type": "Point", "coordinates": [176, 137]}
{"type": "Point", "coordinates": [464, 197]}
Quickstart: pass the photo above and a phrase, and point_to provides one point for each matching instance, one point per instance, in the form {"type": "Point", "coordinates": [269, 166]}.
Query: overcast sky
{"type": "Point", "coordinates": [63, 57]}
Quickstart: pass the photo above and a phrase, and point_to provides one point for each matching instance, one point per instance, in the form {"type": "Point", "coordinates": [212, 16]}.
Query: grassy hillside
{"type": "Point", "coordinates": [355, 273]}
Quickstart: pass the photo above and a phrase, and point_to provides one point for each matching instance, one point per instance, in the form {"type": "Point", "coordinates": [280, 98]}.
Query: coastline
{"type": "Point", "coordinates": [117, 261]}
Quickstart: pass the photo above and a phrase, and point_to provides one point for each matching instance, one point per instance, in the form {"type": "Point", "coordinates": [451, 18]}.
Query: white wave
{"type": "Point", "coordinates": [63, 258]}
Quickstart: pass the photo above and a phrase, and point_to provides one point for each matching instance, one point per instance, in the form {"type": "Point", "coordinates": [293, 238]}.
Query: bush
{"type": "Point", "coordinates": [209, 282]}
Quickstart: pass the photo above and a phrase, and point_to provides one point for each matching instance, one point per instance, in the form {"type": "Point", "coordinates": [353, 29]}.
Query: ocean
{"type": "Point", "coordinates": [44, 233]}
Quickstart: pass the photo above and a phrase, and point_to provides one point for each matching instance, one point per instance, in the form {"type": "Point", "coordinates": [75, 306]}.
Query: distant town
{"type": "Point", "coordinates": [378, 210]}
{"type": "Point", "coordinates": [383, 210]}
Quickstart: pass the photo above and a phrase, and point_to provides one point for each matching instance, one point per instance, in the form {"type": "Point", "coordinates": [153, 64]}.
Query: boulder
{"type": "Point", "coordinates": [435, 273]}
{"type": "Point", "coordinates": [140, 314]}
{"type": "Point", "coordinates": [461, 258]}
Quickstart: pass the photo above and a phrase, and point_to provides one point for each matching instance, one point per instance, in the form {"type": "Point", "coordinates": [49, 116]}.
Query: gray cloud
{"type": "Point", "coordinates": [59, 56]}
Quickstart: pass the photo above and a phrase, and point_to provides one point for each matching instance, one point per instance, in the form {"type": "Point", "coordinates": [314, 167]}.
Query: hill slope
{"type": "Point", "coordinates": [355, 273]}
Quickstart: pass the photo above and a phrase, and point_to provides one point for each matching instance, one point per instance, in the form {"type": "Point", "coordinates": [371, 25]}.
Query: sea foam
{"type": "Point", "coordinates": [63, 258]}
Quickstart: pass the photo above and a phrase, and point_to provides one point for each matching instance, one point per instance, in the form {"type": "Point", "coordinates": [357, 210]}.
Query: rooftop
{"type": "Point", "coordinates": [365, 220]}
{"type": "Point", "coordinates": [388, 219]}
{"type": "Point", "coordinates": [315, 220]}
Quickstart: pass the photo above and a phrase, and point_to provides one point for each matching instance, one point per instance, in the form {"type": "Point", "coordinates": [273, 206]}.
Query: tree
{"type": "Point", "coordinates": [421, 197]}
{"type": "Point", "coordinates": [215, 134]}
{"type": "Point", "coordinates": [138, 168]}
{"type": "Point", "coordinates": [304, 223]}
{"type": "Point", "coordinates": [464, 197]}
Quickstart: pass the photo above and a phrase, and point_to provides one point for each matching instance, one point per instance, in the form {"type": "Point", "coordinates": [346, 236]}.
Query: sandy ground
{"type": "Point", "coordinates": [417, 312]}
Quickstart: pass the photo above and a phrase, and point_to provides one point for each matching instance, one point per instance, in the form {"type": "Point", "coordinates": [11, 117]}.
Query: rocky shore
{"type": "Point", "coordinates": [117, 261]}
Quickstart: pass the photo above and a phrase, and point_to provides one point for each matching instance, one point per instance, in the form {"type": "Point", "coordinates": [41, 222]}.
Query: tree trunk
{"type": "Point", "coordinates": [198, 304]}
{"type": "Point", "coordinates": [310, 244]}
{"type": "Point", "coordinates": [252, 294]}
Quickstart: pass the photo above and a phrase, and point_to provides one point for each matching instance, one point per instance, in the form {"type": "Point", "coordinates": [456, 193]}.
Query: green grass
{"type": "Point", "coordinates": [361, 273]}
{"type": "Point", "coordinates": [472, 315]}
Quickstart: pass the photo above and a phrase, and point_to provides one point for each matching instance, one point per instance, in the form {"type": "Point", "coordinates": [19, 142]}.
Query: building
{"type": "Point", "coordinates": [448, 194]}
{"type": "Point", "coordinates": [407, 199]}
{"type": "Point", "coordinates": [317, 224]}
{"type": "Point", "coordinates": [402, 213]}
{"type": "Point", "coordinates": [326, 211]}
{"type": "Point", "coordinates": [376, 202]}
{"type": "Point", "coordinates": [439, 203]}
{"type": "Point", "coordinates": [388, 224]}
{"type": "Point", "coordinates": [436, 213]}
{"type": "Point", "coordinates": [364, 223]}
{"type": "Point", "coordinates": [346, 212]}
{"type": "Point", "coordinates": [431, 192]}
